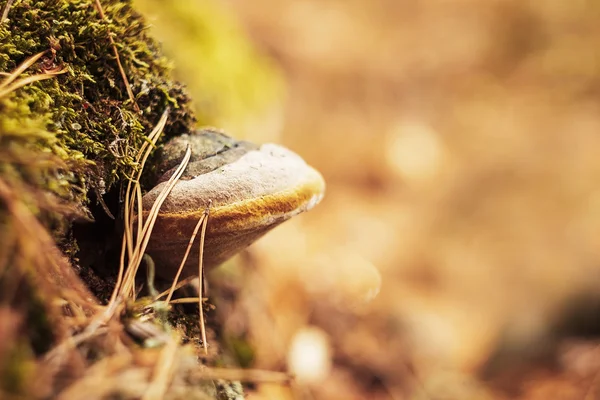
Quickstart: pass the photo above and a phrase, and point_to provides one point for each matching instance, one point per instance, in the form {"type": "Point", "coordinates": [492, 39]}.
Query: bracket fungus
{"type": "Point", "coordinates": [250, 190]}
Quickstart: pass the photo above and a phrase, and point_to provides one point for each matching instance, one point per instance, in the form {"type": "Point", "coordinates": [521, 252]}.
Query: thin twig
{"type": "Point", "coordinates": [128, 282]}
{"type": "Point", "coordinates": [114, 47]}
{"type": "Point", "coordinates": [201, 276]}
{"type": "Point", "coordinates": [101, 319]}
{"type": "Point", "coordinates": [8, 85]}
{"type": "Point", "coordinates": [5, 12]}
{"type": "Point", "coordinates": [149, 225]}
{"type": "Point", "coordinates": [28, 80]}
{"type": "Point", "coordinates": [141, 158]}
{"type": "Point", "coordinates": [185, 256]}
{"type": "Point", "coordinates": [179, 285]}
{"type": "Point", "coordinates": [24, 65]}
{"type": "Point", "coordinates": [185, 300]}
{"type": "Point", "coordinates": [127, 244]}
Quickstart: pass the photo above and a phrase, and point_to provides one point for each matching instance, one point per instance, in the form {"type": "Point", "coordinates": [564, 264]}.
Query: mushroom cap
{"type": "Point", "coordinates": [250, 193]}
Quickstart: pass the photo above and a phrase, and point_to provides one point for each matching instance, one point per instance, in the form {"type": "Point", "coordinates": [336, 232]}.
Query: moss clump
{"type": "Point", "coordinates": [83, 118]}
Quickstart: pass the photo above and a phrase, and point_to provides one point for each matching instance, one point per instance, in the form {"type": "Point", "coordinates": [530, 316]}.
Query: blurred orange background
{"type": "Point", "coordinates": [459, 141]}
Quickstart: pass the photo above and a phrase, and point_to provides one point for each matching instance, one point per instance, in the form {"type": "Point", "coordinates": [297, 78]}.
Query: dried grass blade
{"type": "Point", "coordinates": [116, 53]}
{"type": "Point", "coordinates": [134, 262]}
{"type": "Point", "coordinates": [178, 286]}
{"type": "Point", "coordinates": [127, 244]}
{"type": "Point", "coordinates": [185, 257]}
{"type": "Point", "coordinates": [201, 276]}
{"type": "Point", "coordinates": [30, 79]}
{"type": "Point", "coordinates": [24, 65]}
{"type": "Point", "coordinates": [140, 160]}
{"type": "Point", "coordinates": [186, 300]}
{"type": "Point", "coordinates": [5, 11]}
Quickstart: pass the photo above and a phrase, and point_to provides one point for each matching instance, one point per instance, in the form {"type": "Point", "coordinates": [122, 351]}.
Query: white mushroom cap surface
{"type": "Point", "coordinates": [247, 198]}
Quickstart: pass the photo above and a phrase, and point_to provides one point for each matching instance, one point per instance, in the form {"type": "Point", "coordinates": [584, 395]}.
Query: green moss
{"type": "Point", "coordinates": [82, 123]}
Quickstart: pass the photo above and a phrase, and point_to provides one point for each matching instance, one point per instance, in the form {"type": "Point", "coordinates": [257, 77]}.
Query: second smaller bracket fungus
{"type": "Point", "coordinates": [251, 189]}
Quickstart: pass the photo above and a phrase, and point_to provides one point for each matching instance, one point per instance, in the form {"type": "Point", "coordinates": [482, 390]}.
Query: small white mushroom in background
{"type": "Point", "coordinates": [309, 357]}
